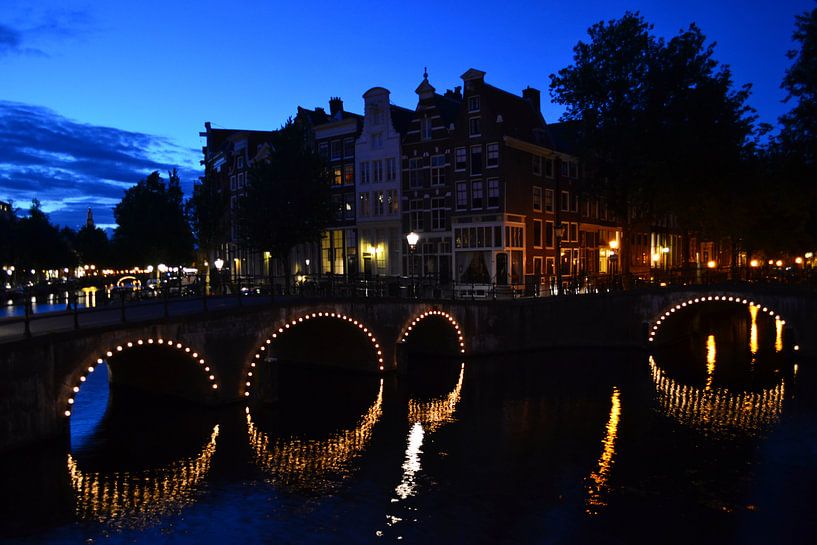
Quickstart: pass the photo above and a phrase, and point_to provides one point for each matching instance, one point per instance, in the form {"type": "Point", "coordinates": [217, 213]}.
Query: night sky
{"type": "Point", "coordinates": [93, 96]}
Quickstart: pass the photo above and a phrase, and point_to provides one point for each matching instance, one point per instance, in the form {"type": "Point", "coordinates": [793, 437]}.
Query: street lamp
{"type": "Point", "coordinates": [412, 239]}
{"type": "Point", "coordinates": [613, 256]}
{"type": "Point", "coordinates": [219, 263]}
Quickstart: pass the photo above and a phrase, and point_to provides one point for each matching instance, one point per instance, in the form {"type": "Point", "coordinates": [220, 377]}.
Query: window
{"type": "Point", "coordinates": [393, 205]}
{"type": "Point", "coordinates": [574, 232]}
{"type": "Point", "coordinates": [574, 169]}
{"type": "Point", "coordinates": [416, 214]}
{"type": "Point", "coordinates": [548, 200]}
{"type": "Point", "coordinates": [537, 265]}
{"type": "Point", "coordinates": [364, 172]}
{"type": "Point", "coordinates": [349, 206]}
{"type": "Point", "coordinates": [476, 194]}
{"type": "Point", "coordinates": [425, 128]}
{"type": "Point", "coordinates": [377, 140]}
{"type": "Point", "coordinates": [549, 234]}
{"type": "Point", "coordinates": [323, 150]}
{"type": "Point", "coordinates": [459, 159]}
{"type": "Point", "coordinates": [537, 233]}
{"type": "Point", "coordinates": [563, 168]}
{"type": "Point", "coordinates": [550, 266]}
{"type": "Point", "coordinates": [349, 147]}
{"type": "Point", "coordinates": [415, 164]}
{"type": "Point", "coordinates": [549, 168]}
{"type": "Point", "coordinates": [335, 149]}
{"type": "Point", "coordinates": [232, 183]}
{"type": "Point", "coordinates": [575, 204]}
{"type": "Point", "coordinates": [437, 169]}
{"type": "Point", "coordinates": [492, 159]}
{"type": "Point", "coordinates": [537, 199]}
{"type": "Point", "coordinates": [493, 193]}
{"type": "Point", "coordinates": [537, 165]}
{"type": "Point", "coordinates": [377, 171]}
{"type": "Point", "coordinates": [348, 174]}
{"type": "Point", "coordinates": [240, 180]}
{"type": "Point", "coordinates": [474, 128]}
{"type": "Point", "coordinates": [337, 206]}
{"type": "Point", "coordinates": [462, 196]}
{"type": "Point", "coordinates": [239, 161]}
{"type": "Point", "coordinates": [391, 169]}
{"type": "Point", "coordinates": [437, 213]}
{"type": "Point", "coordinates": [473, 103]}
{"type": "Point", "coordinates": [476, 160]}
{"type": "Point", "coordinates": [565, 201]}
{"type": "Point", "coordinates": [338, 176]}
{"type": "Point", "coordinates": [514, 237]}
{"type": "Point", "coordinates": [379, 203]}
{"type": "Point", "coordinates": [364, 204]}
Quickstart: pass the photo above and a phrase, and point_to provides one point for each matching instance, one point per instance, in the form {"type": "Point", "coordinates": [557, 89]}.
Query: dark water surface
{"type": "Point", "coordinates": [710, 441]}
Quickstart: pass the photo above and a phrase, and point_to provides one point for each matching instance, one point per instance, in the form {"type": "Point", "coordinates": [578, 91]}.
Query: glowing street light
{"type": "Point", "coordinates": [412, 239]}
{"type": "Point", "coordinates": [219, 263]}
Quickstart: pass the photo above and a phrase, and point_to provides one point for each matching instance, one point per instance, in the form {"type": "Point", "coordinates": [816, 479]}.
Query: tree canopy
{"type": "Point", "coordinates": [151, 223]}
{"type": "Point", "coordinates": [287, 200]}
{"type": "Point", "coordinates": [208, 210]}
{"type": "Point", "coordinates": [661, 128]}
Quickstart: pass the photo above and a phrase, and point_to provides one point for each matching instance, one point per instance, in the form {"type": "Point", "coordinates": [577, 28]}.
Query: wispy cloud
{"type": "Point", "coordinates": [71, 166]}
{"type": "Point", "coordinates": [35, 31]}
{"type": "Point", "coordinates": [12, 43]}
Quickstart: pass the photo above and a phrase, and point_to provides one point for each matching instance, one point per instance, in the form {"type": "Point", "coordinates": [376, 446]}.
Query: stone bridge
{"type": "Point", "coordinates": [225, 355]}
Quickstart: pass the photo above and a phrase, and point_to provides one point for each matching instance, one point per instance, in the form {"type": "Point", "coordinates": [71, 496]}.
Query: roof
{"type": "Point", "coordinates": [400, 118]}
{"type": "Point", "coordinates": [564, 136]}
{"type": "Point", "coordinates": [520, 118]}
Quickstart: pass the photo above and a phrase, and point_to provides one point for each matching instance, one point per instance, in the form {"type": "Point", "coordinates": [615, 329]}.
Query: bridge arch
{"type": "Point", "coordinates": [250, 370]}
{"type": "Point", "coordinates": [75, 382]}
{"type": "Point", "coordinates": [410, 326]}
{"type": "Point", "coordinates": [659, 321]}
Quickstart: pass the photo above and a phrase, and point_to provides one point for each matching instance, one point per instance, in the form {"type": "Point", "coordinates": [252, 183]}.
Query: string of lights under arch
{"type": "Point", "coordinates": [159, 341]}
{"type": "Point", "coordinates": [656, 324]}
{"type": "Point", "coordinates": [282, 328]}
{"type": "Point", "coordinates": [460, 339]}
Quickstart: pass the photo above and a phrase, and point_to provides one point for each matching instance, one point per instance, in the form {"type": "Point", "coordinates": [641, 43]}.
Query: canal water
{"type": "Point", "coordinates": [712, 440]}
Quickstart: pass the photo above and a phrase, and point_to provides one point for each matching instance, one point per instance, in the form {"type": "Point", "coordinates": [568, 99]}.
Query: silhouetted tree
{"type": "Point", "coordinates": [659, 124]}
{"type": "Point", "coordinates": [151, 223]}
{"type": "Point", "coordinates": [208, 210]}
{"type": "Point", "coordinates": [38, 244]}
{"type": "Point", "coordinates": [92, 246]}
{"type": "Point", "coordinates": [287, 199]}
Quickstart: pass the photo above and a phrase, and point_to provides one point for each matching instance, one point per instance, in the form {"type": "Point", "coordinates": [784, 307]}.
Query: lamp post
{"type": "Point", "coordinates": [219, 263]}
{"type": "Point", "coordinates": [412, 239]}
{"type": "Point", "coordinates": [559, 231]}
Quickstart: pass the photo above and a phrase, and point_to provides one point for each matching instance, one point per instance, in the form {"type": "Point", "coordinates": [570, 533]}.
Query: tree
{"type": "Point", "coordinates": [91, 245]}
{"type": "Point", "coordinates": [38, 244]}
{"type": "Point", "coordinates": [208, 211]}
{"type": "Point", "coordinates": [659, 123]}
{"type": "Point", "coordinates": [151, 223]}
{"type": "Point", "coordinates": [287, 200]}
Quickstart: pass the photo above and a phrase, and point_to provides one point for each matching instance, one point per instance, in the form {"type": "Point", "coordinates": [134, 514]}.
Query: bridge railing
{"type": "Point", "coordinates": [129, 305]}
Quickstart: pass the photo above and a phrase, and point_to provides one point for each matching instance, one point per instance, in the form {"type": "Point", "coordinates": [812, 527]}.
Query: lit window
{"type": "Point", "coordinates": [459, 159]}
{"type": "Point", "coordinates": [492, 159]}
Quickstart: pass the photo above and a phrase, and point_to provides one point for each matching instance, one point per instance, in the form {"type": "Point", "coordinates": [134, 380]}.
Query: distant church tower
{"type": "Point", "coordinates": [89, 222]}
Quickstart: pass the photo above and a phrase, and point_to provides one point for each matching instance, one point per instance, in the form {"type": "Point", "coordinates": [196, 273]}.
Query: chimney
{"type": "Point", "coordinates": [533, 97]}
{"type": "Point", "coordinates": [335, 106]}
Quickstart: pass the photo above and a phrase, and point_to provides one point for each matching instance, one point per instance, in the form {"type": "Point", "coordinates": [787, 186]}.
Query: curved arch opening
{"type": "Point", "coordinates": [683, 319]}
{"type": "Point", "coordinates": [317, 339]}
{"type": "Point", "coordinates": [162, 367]}
{"type": "Point", "coordinates": [433, 332]}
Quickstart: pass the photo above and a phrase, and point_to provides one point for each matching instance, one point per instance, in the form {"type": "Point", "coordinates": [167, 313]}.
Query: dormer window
{"type": "Point", "coordinates": [425, 128]}
{"type": "Point", "coordinates": [473, 103]}
{"type": "Point", "coordinates": [474, 127]}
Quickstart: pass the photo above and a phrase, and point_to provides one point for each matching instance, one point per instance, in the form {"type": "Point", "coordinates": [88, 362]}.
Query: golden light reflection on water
{"type": "Point", "coordinates": [778, 335]}
{"type": "Point", "coordinates": [711, 357]}
{"type": "Point", "coordinates": [305, 462]}
{"type": "Point", "coordinates": [138, 499]}
{"type": "Point", "coordinates": [753, 345]}
{"type": "Point", "coordinates": [427, 417]}
{"type": "Point", "coordinates": [717, 409]}
{"type": "Point", "coordinates": [597, 487]}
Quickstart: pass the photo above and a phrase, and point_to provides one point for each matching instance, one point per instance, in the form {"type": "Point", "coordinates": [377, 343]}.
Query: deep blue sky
{"type": "Point", "coordinates": [94, 95]}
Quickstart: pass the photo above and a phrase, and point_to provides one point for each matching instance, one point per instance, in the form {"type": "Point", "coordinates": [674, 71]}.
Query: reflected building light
{"type": "Point", "coordinates": [411, 464]}
{"type": "Point", "coordinates": [778, 335]}
{"type": "Point", "coordinates": [711, 355]}
{"type": "Point", "coordinates": [717, 409]}
{"type": "Point", "coordinates": [597, 487]}
{"type": "Point", "coordinates": [139, 499]}
{"type": "Point", "coordinates": [753, 331]}
{"type": "Point", "coordinates": [306, 461]}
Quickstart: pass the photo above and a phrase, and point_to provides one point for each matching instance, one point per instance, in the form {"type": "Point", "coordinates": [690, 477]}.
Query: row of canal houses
{"type": "Point", "coordinates": [476, 172]}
